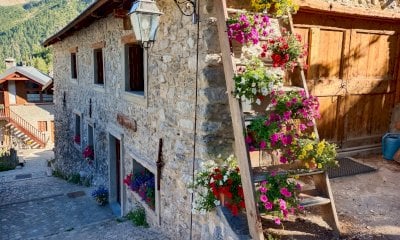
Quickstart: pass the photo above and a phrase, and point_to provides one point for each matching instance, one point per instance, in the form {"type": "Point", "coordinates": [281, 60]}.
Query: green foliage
{"type": "Point", "coordinates": [138, 217]}
{"type": "Point", "coordinates": [8, 159]}
{"type": "Point", "coordinates": [75, 178]}
{"type": "Point", "coordinates": [59, 174]}
{"type": "Point", "coordinates": [24, 27]}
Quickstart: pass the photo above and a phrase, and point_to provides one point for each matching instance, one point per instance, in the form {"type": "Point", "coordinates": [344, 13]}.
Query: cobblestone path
{"type": "Point", "coordinates": [36, 206]}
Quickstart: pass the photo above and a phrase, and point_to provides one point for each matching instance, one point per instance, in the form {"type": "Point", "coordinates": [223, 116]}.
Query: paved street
{"type": "Point", "coordinates": [34, 205]}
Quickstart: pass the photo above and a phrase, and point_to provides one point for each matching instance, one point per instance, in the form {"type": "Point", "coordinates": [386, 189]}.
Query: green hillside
{"type": "Point", "coordinates": [23, 28]}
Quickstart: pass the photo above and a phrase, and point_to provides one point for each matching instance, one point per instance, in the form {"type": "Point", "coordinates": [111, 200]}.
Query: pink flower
{"type": "Point", "coordinates": [282, 204]}
{"type": "Point", "coordinates": [285, 192]}
{"type": "Point", "coordinates": [268, 205]}
{"type": "Point", "coordinates": [263, 144]}
{"type": "Point", "coordinates": [273, 173]}
{"type": "Point", "coordinates": [263, 190]}
{"type": "Point", "coordinates": [263, 198]}
{"type": "Point", "coordinates": [302, 127]}
{"type": "Point", "coordinates": [283, 159]}
{"type": "Point", "coordinates": [248, 140]}
{"type": "Point", "coordinates": [277, 221]}
{"type": "Point", "coordinates": [285, 213]}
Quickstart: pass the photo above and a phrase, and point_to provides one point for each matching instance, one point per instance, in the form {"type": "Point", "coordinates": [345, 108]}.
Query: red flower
{"type": "Point", "coordinates": [234, 210]}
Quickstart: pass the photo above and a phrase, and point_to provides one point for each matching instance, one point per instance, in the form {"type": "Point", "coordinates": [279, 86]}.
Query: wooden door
{"type": "Point", "coordinates": [52, 131]}
{"type": "Point", "coordinates": [118, 169]}
{"type": "Point", "coordinates": [352, 71]}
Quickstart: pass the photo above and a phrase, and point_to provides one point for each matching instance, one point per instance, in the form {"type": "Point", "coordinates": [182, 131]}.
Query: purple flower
{"type": "Point", "coordinates": [285, 192]}
{"type": "Point", "coordinates": [302, 127]}
{"type": "Point", "coordinates": [283, 159]}
{"type": "Point", "coordinates": [248, 140]}
{"type": "Point", "coordinates": [277, 221]}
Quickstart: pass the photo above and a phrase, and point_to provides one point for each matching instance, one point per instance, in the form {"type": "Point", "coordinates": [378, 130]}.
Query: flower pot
{"type": "Point", "coordinates": [224, 200]}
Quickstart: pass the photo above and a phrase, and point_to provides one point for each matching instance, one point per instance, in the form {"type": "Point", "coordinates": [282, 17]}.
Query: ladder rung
{"type": "Point", "coordinates": [310, 201]}
{"type": "Point", "coordinates": [260, 176]}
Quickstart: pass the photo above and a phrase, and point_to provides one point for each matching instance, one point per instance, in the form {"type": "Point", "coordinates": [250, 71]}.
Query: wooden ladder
{"type": "Point", "coordinates": [320, 196]}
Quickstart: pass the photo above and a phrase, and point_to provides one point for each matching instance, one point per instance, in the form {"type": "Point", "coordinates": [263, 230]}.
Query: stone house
{"type": "Point", "coordinates": [26, 100]}
{"type": "Point", "coordinates": [181, 96]}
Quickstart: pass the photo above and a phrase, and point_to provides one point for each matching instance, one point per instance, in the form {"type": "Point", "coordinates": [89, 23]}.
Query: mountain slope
{"type": "Point", "coordinates": [25, 26]}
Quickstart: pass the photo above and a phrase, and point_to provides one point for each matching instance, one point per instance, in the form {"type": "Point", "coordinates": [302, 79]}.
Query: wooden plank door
{"type": "Point", "coordinates": [326, 75]}
{"type": "Point", "coordinates": [118, 169]}
{"type": "Point", "coordinates": [351, 70]}
{"type": "Point", "coordinates": [370, 88]}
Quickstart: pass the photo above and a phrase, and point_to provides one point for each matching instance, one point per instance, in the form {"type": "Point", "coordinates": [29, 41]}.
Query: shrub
{"type": "Point", "coordinates": [138, 217]}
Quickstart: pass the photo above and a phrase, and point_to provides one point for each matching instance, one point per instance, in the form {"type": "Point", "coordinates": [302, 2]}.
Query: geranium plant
{"type": "Point", "coordinates": [100, 195]}
{"type": "Point", "coordinates": [143, 183]}
{"type": "Point", "coordinates": [278, 196]}
{"type": "Point", "coordinates": [285, 50]}
{"type": "Point", "coordinates": [245, 28]}
{"type": "Point", "coordinates": [217, 184]}
{"type": "Point", "coordinates": [88, 154]}
{"type": "Point", "coordinates": [316, 154]}
{"type": "Point", "coordinates": [276, 8]}
{"type": "Point", "coordinates": [77, 139]}
{"type": "Point", "coordinates": [255, 81]}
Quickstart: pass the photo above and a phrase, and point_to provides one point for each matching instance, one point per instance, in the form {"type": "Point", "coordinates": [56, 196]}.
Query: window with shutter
{"type": "Point", "coordinates": [134, 68]}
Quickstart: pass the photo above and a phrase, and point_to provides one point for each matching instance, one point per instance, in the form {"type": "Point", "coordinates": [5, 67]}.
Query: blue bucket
{"type": "Point", "coordinates": [390, 145]}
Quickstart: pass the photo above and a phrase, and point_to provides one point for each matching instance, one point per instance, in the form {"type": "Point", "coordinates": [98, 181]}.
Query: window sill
{"type": "Point", "coordinates": [78, 147]}
{"type": "Point", "coordinates": [73, 80]}
{"type": "Point", "coordinates": [99, 87]}
{"type": "Point", "coordinates": [136, 97]}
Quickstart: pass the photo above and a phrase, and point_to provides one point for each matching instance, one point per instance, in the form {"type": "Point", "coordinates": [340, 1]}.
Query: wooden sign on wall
{"type": "Point", "coordinates": [126, 122]}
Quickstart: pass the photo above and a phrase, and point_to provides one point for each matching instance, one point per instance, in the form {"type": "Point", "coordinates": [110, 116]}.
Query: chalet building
{"type": "Point", "coordinates": [120, 97]}
{"type": "Point", "coordinates": [26, 102]}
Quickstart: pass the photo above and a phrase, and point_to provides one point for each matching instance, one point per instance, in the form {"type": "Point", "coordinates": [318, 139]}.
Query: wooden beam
{"type": "Point", "coordinates": [120, 13]}
{"type": "Point", "coordinates": [73, 50]}
{"type": "Point", "coordinates": [98, 45]}
{"type": "Point", "coordinates": [130, 38]}
{"type": "Point", "coordinates": [241, 152]}
{"type": "Point", "coordinates": [337, 9]}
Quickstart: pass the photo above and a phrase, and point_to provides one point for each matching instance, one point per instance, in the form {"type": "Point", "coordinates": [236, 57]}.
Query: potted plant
{"type": "Point", "coordinates": [315, 154]}
{"type": "Point", "coordinates": [278, 196]}
{"type": "Point", "coordinates": [143, 183]}
{"type": "Point", "coordinates": [218, 184]}
{"type": "Point", "coordinates": [256, 81]}
{"type": "Point", "coordinates": [276, 8]}
{"type": "Point", "coordinates": [100, 195]}
{"type": "Point", "coordinates": [88, 154]}
{"type": "Point", "coordinates": [248, 29]}
{"type": "Point", "coordinates": [285, 51]}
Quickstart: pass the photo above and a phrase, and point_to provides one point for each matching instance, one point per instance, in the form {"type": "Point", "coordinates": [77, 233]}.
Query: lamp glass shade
{"type": "Point", "coordinates": [144, 16]}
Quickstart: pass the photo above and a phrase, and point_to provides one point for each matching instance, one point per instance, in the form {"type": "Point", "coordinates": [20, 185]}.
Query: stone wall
{"type": "Point", "coordinates": [169, 114]}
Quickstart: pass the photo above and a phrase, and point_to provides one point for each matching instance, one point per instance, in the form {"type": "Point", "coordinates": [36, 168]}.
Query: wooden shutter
{"type": "Point", "coordinates": [135, 62]}
{"type": "Point", "coordinates": [99, 66]}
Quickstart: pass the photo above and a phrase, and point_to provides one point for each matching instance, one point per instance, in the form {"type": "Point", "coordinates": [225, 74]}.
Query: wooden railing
{"type": "Point", "coordinates": [24, 126]}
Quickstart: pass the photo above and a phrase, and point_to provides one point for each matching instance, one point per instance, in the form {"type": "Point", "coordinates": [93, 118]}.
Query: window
{"type": "Point", "coordinates": [74, 73]}
{"type": "Point", "coordinates": [90, 135]}
{"type": "Point", "coordinates": [134, 81]}
{"type": "Point", "coordinates": [33, 92]}
{"type": "Point", "coordinates": [98, 66]}
{"type": "Point", "coordinates": [77, 136]}
{"type": "Point", "coordinates": [42, 126]}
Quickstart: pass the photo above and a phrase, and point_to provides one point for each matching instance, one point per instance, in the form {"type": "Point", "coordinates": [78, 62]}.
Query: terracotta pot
{"type": "Point", "coordinates": [224, 201]}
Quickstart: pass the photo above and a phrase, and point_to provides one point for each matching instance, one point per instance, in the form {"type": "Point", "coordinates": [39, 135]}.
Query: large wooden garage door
{"type": "Point", "coordinates": [353, 71]}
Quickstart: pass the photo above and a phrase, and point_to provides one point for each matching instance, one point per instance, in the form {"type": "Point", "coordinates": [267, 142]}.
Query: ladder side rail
{"type": "Point", "coordinates": [241, 152]}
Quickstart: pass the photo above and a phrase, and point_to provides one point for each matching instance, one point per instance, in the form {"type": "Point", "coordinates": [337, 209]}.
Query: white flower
{"type": "Point", "coordinates": [264, 91]}
{"type": "Point", "coordinates": [217, 202]}
{"type": "Point", "coordinates": [225, 178]}
{"type": "Point", "coordinates": [253, 84]}
{"type": "Point", "coordinates": [258, 101]}
{"type": "Point", "coordinates": [254, 90]}
{"type": "Point", "coordinates": [211, 180]}
{"type": "Point", "coordinates": [221, 183]}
